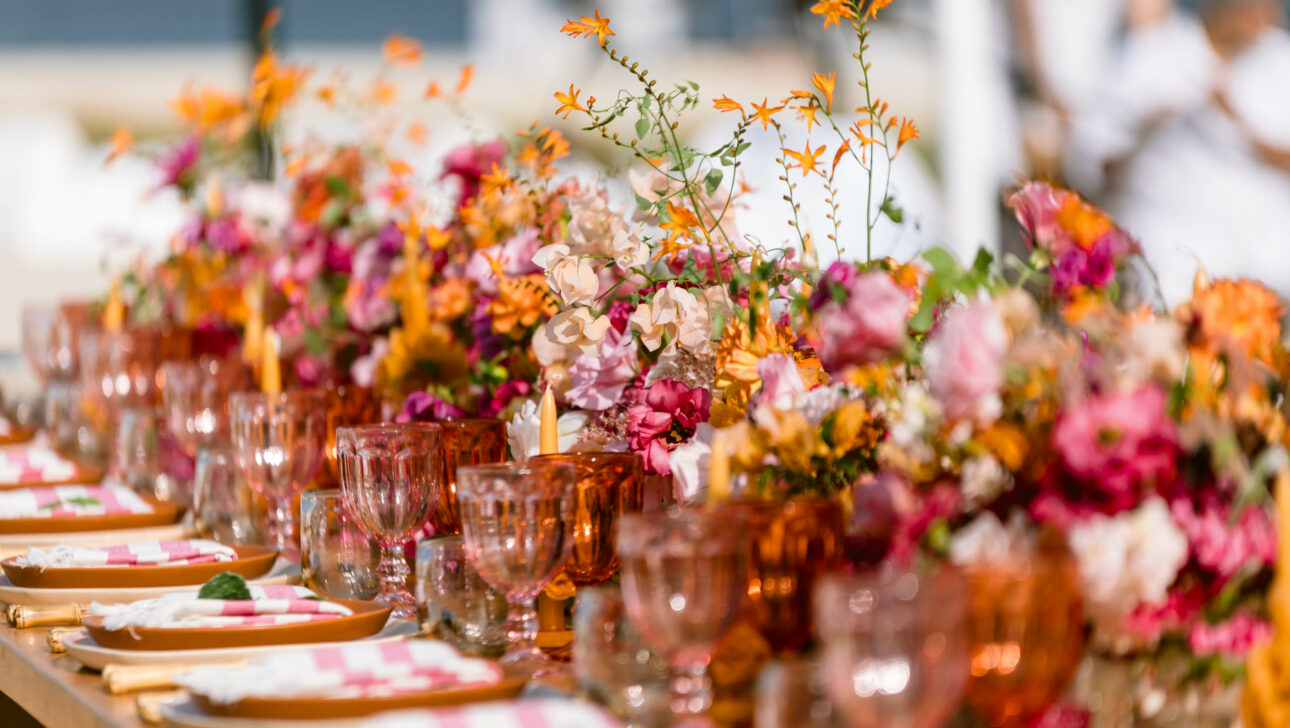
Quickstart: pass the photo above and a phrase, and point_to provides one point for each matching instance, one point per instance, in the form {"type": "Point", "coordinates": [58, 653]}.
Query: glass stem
{"type": "Point", "coordinates": [691, 688]}
{"type": "Point", "coordinates": [394, 572]}
{"type": "Point", "coordinates": [521, 624]}
{"type": "Point", "coordinates": [282, 527]}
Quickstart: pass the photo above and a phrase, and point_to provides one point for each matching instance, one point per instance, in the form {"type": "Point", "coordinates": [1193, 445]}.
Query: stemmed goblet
{"type": "Point", "coordinates": [516, 520]}
{"type": "Point", "coordinates": [389, 482]}
{"type": "Point", "coordinates": [278, 442]}
{"type": "Point", "coordinates": [195, 397]}
{"type": "Point", "coordinates": [684, 579]}
{"type": "Point", "coordinates": [894, 645]}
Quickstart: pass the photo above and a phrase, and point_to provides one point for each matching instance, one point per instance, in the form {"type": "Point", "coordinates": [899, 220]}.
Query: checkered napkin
{"type": "Point", "coordinates": [543, 713]}
{"type": "Point", "coordinates": [357, 669]}
{"type": "Point", "coordinates": [32, 464]}
{"type": "Point", "coordinates": [61, 501]}
{"type": "Point", "coordinates": [139, 553]}
{"type": "Point", "coordinates": [268, 605]}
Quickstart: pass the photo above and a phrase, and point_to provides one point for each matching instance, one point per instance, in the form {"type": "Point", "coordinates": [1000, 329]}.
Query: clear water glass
{"type": "Point", "coordinates": [613, 664]}
{"type": "Point", "coordinates": [224, 506]}
{"type": "Point", "coordinates": [337, 560]}
{"type": "Point", "coordinates": [454, 603]}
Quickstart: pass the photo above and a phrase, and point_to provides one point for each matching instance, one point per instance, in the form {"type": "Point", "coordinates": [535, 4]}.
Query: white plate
{"type": "Point", "coordinates": [183, 713]}
{"type": "Point", "coordinates": [283, 572]}
{"type": "Point", "coordinates": [15, 544]}
{"type": "Point", "coordinates": [88, 652]}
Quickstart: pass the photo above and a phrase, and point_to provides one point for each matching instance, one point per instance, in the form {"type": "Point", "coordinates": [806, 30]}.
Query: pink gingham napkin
{"type": "Point", "coordinates": [538, 713]}
{"type": "Point", "coordinates": [34, 463]}
{"type": "Point", "coordinates": [139, 553]}
{"type": "Point", "coordinates": [60, 501]}
{"type": "Point", "coordinates": [268, 605]}
{"type": "Point", "coordinates": [359, 669]}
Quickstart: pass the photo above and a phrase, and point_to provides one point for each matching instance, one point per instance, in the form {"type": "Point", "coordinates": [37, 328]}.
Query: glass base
{"type": "Point", "coordinates": [405, 607]}
{"type": "Point", "coordinates": [533, 661]}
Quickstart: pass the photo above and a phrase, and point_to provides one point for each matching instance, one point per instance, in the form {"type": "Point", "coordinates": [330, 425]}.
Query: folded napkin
{"type": "Point", "coordinates": [140, 553]}
{"type": "Point", "coordinates": [267, 605]}
{"type": "Point", "coordinates": [355, 670]}
{"type": "Point", "coordinates": [543, 713]}
{"type": "Point", "coordinates": [34, 463]}
{"type": "Point", "coordinates": [58, 501]}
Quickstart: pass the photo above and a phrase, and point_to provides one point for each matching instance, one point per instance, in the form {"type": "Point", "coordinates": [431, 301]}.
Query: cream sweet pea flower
{"type": "Point", "coordinates": [573, 278]}
{"type": "Point", "coordinates": [578, 329]}
{"type": "Point", "coordinates": [675, 313]}
{"type": "Point", "coordinates": [592, 225]}
{"type": "Point", "coordinates": [629, 251]}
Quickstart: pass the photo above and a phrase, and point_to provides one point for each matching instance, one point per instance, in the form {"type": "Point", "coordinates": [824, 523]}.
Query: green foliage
{"type": "Point", "coordinates": [225, 586]}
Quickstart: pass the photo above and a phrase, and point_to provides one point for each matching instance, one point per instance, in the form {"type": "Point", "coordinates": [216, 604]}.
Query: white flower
{"type": "Point", "coordinates": [690, 463]}
{"type": "Point", "coordinates": [266, 206]}
{"type": "Point", "coordinates": [572, 278]}
{"type": "Point", "coordinates": [820, 402]}
{"type": "Point", "coordinates": [593, 226]}
{"type": "Point", "coordinates": [1157, 350]}
{"type": "Point", "coordinates": [675, 313]}
{"type": "Point", "coordinates": [987, 541]}
{"type": "Point", "coordinates": [525, 432]}
{"type": "Point", "coordinates": [983, 479]}
{"type": "Point", "coordinates": [577, 329]}
{"type": "Point", "coordinates": [629, 251]}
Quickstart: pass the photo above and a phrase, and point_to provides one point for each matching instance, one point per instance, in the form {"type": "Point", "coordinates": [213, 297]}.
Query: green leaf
{"type": "Point", "coordinates": [641, 202]}
{"type": "Point", "coordinates": [78, 500]}
{"type": "Point", "coordinates": [891, 210]}
{"type": "Point", "coordinates": [712, 181]}
{"type": "Point", "coordinates": [337, 186]}
{"type": "Point", "coordinates": [944, 266]}
{"type": "Point", "coordinates": [225, 586]}
{"type": "Point", "coordinates": [642, 127]}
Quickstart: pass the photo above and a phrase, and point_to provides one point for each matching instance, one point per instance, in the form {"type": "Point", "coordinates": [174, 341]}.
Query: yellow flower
{"type": "Point", "coordinates": [763, 112]}
{"type": "Point", "coordinates": [834, 11]}
{"type": "Point", "coordinates": [825, 84]}
{"type": "Point", "coordinates": [588, 27]}
{"type": "Point", "coordinates": [520, 302]}
{"type": "Point", "coordinates": [569, 102]}
{"type": "Point", "coordinates": [806, 159]}
{"type": "Point", "coordinates": [414, 359]}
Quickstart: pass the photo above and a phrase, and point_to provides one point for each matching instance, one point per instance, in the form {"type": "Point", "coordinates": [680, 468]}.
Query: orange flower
{"type": "Point", "coordinates": [122, 140]}
{"type": "Point", "coordinates": [825, 84]}
{"type": "Point", "coordinates": [433, 90]}
{"type": "Point", "coordinates": [908, 132]}
{"type": "Point", "coordinates": [400, 50]}
{"type": "Point", "coordinates": [465, 77]}
{"type": "Point", "coordinates": [679, 223]}
{"type": "Point", "coordinates": [834, 11]}
{"type": "Point", "coordinates": [807, 114]}
{"type": "Point", "coordinates": [569, 102]}
{"type": "Point", "coordinates": [806, 159]}
{"type": "Point", "coordinates": [384, 92]}
{"type": "Point", "coordinates": [725, 103]}
{"type": "Point", "coordinates": [1240, 313]}
{"type": "Point", "coordinates": [763, 112]}
{"type": "Point", "coordinates": [588, 27]}
{"type": "Point", "coordinates": [520, 303]}
{"type": "Point", "coordinates": [878, 5]}
{"type": "Point", "coordinates": [327, 94]}
{"type": "Point", "coordinates": [1086, 223]}
{"type": "Point", "coordinates": [207, 109]}
{"type": "Point", "coordinates": [399, 168]}
{"type": "Point", "coordinates": [417, 133]}
{"type": "Point", "coordinates": [450, 299]}
{"type": "Point", "coordinates": [274, 86]}
{"type": "Point", "coordinates": [495, 181]}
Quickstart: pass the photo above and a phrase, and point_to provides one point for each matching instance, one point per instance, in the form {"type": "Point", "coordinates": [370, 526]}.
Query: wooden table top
{"type": "Point", "coordinates": [55, 689]}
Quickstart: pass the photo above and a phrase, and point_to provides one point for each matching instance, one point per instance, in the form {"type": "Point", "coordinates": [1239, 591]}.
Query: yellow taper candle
{"type": "Point", "coordinates": [718, 471]}
{"type": "Point", "coordinates": [549, 441]}
{"type": "Point", "coordinates": [1282, 495]}
{"type": "Point", "coordinates": [271, 369]}
{"type": "Point", "coordinates": [415, 307]}
{"type": "Point", "coordinates": [114, 310]}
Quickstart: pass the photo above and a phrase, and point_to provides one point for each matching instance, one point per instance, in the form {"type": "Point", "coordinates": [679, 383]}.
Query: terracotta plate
{"type": "Point", "coordinates": [252, 563]}
{"type": "Point", "coordinates": [17, 436]}
{"type": "Point", "coordinates": [84, 475]}
{"type": "Point", "coordinates": [322, 708]}
{"type": "Point", "coordinates": [162, 514]}
{"type": "Point", "coordinates": [368, 619]}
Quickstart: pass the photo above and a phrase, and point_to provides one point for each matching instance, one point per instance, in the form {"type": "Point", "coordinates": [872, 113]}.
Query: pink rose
{"type": "Point", "coordinates": [964, 360]}
{"type": "Point", "coordinates": [868, 327]}
{"type": "Point", "coordinates": [662, 416]}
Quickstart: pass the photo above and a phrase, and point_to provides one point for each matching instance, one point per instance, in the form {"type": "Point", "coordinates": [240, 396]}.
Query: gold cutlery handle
{"type": "Point", "coordinates": [120, 679]}
{"type": "Point", "coordinates": [149, 704]}
{"type": "Point", "coordinates": [56, 636]}
{"type": "Point", "coordinates": [23, 616]}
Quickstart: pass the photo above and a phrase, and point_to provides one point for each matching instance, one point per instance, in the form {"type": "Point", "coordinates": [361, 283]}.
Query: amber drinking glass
{"type": "Point", "coordinates": [1027, 628]}
{"type": "Point", "coordinates": [195, 397]}
{"type": "Point", "coordinates": [608, 484]}
{"type": "Point", "coordinates": [389, 481]}
{"type": "Point", "coordinates": [347, 405]}
{"type": "Point", "coordinates": [894, 645]}
{"type": "Point", "coordinates": [278, 441]}
{"type": "Point", "coordinates": [792, 544]}
{"type": "Point", "coordinates": [466, 441]}
{"type": "Point", "coordinates": [515, 518]}
{"type": "Point", "coordinates": [684, 579]}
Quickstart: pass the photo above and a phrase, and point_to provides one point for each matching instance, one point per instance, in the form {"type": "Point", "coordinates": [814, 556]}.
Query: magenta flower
{"type": "Point", "coordinates": [599, 379]}
{"type": "Point", "coordinates": [177, 166]}
{"type": "Point", "coordinates": [1222, 545]}
{"type": "Point", "coordinates": [964, 360]}
{"type": "Point", "coordinates": [423, 406]}
{"type": "Point", "coordinates": [868, 327]}
{"type": "Point", "coordinates": [662, 416]}
{"type": "Point", "coordinates": [1232, 638]}
{"type": "Point", "coordinates": [516, 388]}
{"type": "Point", "coordinates": [470, 162]}
{"type": "Point", "coordinates": [1114, 450]}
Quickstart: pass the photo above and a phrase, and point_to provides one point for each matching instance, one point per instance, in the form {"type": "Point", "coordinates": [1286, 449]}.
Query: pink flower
{"type": "Point", "coordinates": [781, 384]}
{"type": "Point", "coordinates": [964, 360]}
{"type": "Point", "coordinates": [423, 406]}
{"type": "Point", "coordinates": [1232, 638]}
{"type": "Point", "coordinates": [662, 416]}
{"type": "Point", "coordinates": [1114, 450]}
{"type": "Point", "coordinates": [515, 256]}
{"type": "Point", "coordinates": [492, 406]}
{"type": "Point", "coordinates": [177, 166]}
{"type": "Point", "coordinates": [1222, 546]}
{"type": "Point", "coordinates": [310, 370]}
{"type": "Point", "coordinates": [599, 379]}
{"type": "Point", "coordinates": [1151, 621]}
{"type": "Point", "coordinates": [469, 162]}
{"type": "Point", "coordinates": [1036, 206]}
{"type": "Point", "coordinates": [869, 326]}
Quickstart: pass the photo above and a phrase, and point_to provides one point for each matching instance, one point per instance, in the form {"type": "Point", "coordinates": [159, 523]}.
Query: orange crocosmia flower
{"type": "Point", "coordinates": [680, 221]}
{"type": "Point", "coordinates": [806, 159]}
{"type": "Point", "coordinates": [725, 103]}
{"type": "Point", "coordinates": [433, 90]}
{"type": "Point", "coordinates": [825, 84]}
{"type": "Point", "coordinates": [399, 168]}
{"type": "Point", "coordinates": [842, 149]}
{"type": "Point", "coordinates": [400, 50]}
{"type": "Point", "coordinates": [587, 27]}
{"type": "Point", "coordinates": [274, 86]}
{"type": "Point", "coordinates": [520, 302]}
{"type": "Point", "coordinates": [384, 92]}
{"type": "Point", "coordinates": [908, 132]}
{"type": "Point", "coordinates": [555, 145]}
{"type": "Point", "coordinates": [464, 79]}
{"type": "Point", "coordinates": [763, 112]}
{"type": "Point", "coordinates": [271, 19]}
{"type": "Point", "coordinates": [437, 238]}
{"type": "Point", "coordinates": [495, 181]}
{"type": "Point", "coordinates": [121, 142]}
{"type": "Point", "coordinates": [1242, 312]}
{"type": "Point", "coordinates": [807, 114]}
{"type": "Point", "coordinates": [834, 11]}
{"type": "Point", "coordinates": [876, 6]}
{"type": "Point", "coordinates": [417, 133]}
{"type": "Point", "coordinates": [569, 102]}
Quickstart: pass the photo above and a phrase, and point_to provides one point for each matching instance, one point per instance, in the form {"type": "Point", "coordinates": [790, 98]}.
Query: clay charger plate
{"type": "Point", "coordinates": [84, 475]}
{"type": "Point", "coordinates": [17, 436]}
{"type": "Point", "coordinates": [368, 619]}
{"type": "Point", "coordinates": [162, 514]}
{"type": "Point", "coordinates": [283, 572]}
{"type": "Point", "coordinates": [16, 544]}
{"type": "Point", "coordinates": [252, 562]}
{"type": "Point", "coordinates": [94, 656]}
{"type": "Point", "coordinates": [321, 708]}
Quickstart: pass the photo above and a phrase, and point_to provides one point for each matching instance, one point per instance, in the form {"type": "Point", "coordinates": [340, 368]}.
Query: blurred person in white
{"type": "Point", "coordinates": [1204, 179]}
